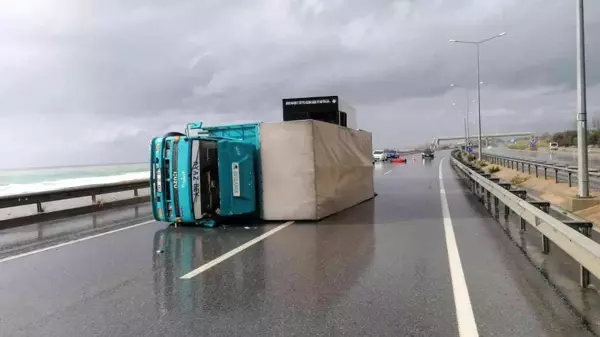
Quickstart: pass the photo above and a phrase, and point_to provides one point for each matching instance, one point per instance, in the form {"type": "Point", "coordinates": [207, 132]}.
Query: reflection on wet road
{"type": "Point", "coordinates": [378, 269]}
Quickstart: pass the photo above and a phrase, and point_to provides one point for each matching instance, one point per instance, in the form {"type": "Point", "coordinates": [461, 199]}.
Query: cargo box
{"type": "Point", "coordinates": [313, 169]}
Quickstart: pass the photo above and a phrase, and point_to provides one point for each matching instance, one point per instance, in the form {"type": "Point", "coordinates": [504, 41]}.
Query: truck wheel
{"type": "Point", "coordinates": [171, 134]}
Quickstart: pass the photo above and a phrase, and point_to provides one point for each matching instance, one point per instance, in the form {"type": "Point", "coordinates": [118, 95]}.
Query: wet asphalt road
{"type": "Point", "coordinates": [378, 269]}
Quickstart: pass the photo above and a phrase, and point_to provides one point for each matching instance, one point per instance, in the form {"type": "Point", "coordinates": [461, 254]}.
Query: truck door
{"type": "Point", "coordinates": [237, 177]}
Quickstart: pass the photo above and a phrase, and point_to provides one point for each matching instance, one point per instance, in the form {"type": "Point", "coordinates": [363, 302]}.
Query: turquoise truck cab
{"type": "Point", "coordinates": [215, 173]}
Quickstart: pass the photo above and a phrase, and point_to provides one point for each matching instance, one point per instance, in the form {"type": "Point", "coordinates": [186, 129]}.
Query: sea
{"type": "Point", "coordinates": [15, 182]}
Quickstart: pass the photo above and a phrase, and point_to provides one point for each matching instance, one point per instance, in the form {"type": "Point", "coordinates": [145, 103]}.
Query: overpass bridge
{"type": "Point", "coordinates": [423, 258]}
{"type": "Point", "coordinates": [474, 138]}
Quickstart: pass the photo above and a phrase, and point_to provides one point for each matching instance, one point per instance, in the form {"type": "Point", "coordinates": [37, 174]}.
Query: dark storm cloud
{"type": "Point", "coordinates": [114, 72]}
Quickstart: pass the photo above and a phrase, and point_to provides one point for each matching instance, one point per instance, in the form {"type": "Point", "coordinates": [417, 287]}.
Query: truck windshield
{"type": "Point", "coordinates": [204, 174]}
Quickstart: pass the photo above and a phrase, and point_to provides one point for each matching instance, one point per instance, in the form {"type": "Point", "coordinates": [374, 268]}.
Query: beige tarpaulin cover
{"type": "Point", "coordinates": [313, 169]}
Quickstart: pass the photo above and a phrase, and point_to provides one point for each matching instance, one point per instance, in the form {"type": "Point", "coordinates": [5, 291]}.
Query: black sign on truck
{"type": "Point", "coordinates": [322, 108]}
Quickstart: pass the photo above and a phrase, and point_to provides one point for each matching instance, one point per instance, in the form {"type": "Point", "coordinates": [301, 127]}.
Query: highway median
{"type": "Point", "coordinates": [551, 186]}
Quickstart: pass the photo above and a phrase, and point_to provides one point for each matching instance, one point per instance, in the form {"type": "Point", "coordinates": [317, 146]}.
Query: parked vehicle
{"type": "Point", "coordinates": [392, 154]}
{"type": "Point", "coordinates": [379, 155]}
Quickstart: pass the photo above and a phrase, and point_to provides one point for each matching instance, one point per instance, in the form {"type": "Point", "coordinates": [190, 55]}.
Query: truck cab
{"type": "Point", "coordinates": [213, 173]}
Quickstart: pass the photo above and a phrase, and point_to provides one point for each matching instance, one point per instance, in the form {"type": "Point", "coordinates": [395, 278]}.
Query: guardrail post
{"type": "Point", "coordinates": [545, 244]}
{"type": "Point", "coordinates": [528, 168]}
{"type": "Point", "coordinates": [485, 197]}
{"type": "Point", "coordinates": [496, 208]}
{"type": "Point", "coordinates": [488, 202]}
{"type": "Point", "coordinates": [544, 206]}
{"type": "Point", "coordinates": [520, 193]}
{"type": "Point", "coordinates": [523, 195]}
{"type": "Point", "coordinates": [584, 228]}
{"type": "Point", "coordinates": [471, 183]}
{"type": "Point", "coordinates": [536, 171]}
{"type": "Point", "coordinates": [545, 173]}
{"type": "Point", "coordinates": [522, 167]}
{"type": "Point", "coordinates": [570, 184]}
{"type": "Point", "coordinates": [135, 192]}
{"type": "Point", "coordinates": [506, 186]}
{"type": "Point", "coordinates": [556, 175]}
{"type": "Point", "coordinates": [93, 198]}
{"type": "Point", "coordinates": [40, 209]}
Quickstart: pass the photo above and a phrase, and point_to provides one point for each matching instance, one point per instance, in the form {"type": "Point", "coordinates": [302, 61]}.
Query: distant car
{"type": "Point", "coordinates": [554, 146]}
{"type": "Point", "coordinates": [379, 155]}
{"type": "Point", "coordinates": [427, 154]}
{"type": "Point", "coordinates": [392, 155]}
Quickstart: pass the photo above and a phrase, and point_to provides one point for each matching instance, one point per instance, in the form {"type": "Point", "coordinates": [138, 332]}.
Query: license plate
{"type": "Point", "coordinates": [235, 178]}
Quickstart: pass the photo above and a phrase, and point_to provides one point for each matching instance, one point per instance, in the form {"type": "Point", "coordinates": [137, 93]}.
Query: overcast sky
{"type": "Point", "coordinates": [93, 81]}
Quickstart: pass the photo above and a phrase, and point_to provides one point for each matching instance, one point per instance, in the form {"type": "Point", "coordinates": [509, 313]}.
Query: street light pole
{"type": "Point", "coordinates": [479, 104]}
{"type": "Point", "coordinates": [466, 132]}
{"type": "Point", "coordinates": [582, 158]}
{"type": "Point", "coordinates": [477, 43]}
{"type": "Point", "coordinates": [468, 135]}
{"type": "Point", "coordinates": [467, 114]}
{"type": "Point", "coordinates": [465, 127]}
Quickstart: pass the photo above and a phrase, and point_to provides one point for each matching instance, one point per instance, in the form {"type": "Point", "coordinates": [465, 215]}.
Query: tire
{"type": "Point", "coordinates": [172, 133]}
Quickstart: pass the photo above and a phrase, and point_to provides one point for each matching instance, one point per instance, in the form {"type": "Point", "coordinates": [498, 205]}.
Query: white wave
{"type": "Point", "coordinates": [14, 189]}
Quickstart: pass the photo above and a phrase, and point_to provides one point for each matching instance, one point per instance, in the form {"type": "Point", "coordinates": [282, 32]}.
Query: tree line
{"type": "Point", "coordinates": [569, 137]}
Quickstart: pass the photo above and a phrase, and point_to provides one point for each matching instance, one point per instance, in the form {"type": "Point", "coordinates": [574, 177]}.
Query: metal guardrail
{"type": "Point", "coordinates": [567, 171]}
{"type": "Point", "coordinates": [93, 191]}
{"type": "Point", "coordinates": [572, 236]}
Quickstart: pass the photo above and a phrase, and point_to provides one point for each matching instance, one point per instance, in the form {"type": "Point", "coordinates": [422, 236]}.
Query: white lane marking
{"type": "Point", "coordinates": [388, 172]}
{"type": "Point", "coordinates": [234, 251]}
{"type": "Point", "coordinates": [462, 301]}
{"type": "Point", "coordinates": [72, 242]}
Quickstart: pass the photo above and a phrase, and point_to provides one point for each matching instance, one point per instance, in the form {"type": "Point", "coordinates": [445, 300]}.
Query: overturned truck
{"type": "Point", "coordinates": [291, 170]}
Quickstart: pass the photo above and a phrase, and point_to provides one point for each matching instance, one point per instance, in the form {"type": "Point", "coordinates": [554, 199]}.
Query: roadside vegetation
{"type": "Point", "coordinates": [518, 180]}
{"type": "Point", "coordinates": [493, 169]}
{"type": "Point", "coordinates": [569, 138]}
{"type": "Point", "coordinates": [480, 163]}
{"type": "Point", "coordinates": [566, 138]}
